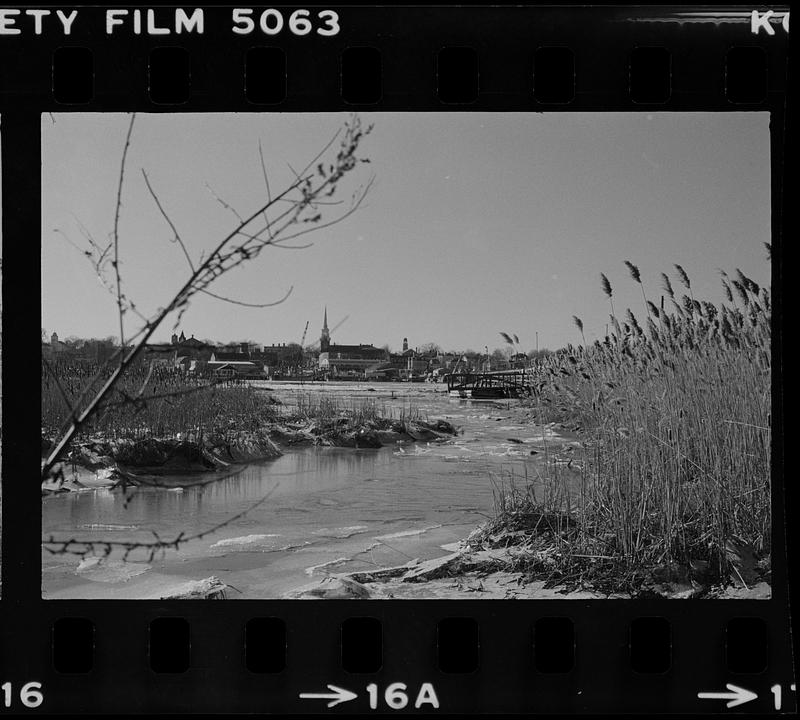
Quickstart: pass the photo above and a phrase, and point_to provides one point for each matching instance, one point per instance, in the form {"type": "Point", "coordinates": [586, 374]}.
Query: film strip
{"type": "Point", "coordinates": [667, 594]}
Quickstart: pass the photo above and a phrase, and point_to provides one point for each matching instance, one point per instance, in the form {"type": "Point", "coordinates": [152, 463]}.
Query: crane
{"type": "Point", "coordinates": [339, 324]}
{"type": "Point", "coordinates": [303, 350]}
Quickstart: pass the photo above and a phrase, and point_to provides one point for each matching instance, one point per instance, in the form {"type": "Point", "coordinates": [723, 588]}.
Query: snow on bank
{"type": "Point", "coordinates": [247, 542]}
{"type": "Point", "coordinates": [341, 532]}
{"type": "Point", "coordinates": [407, 533]}
{"type": "Point", "coordinates": [101, 569]}
{"type": "Point", "coordinates": [211, 588]}
{"type": "Point", "coordinates": [338, 561]}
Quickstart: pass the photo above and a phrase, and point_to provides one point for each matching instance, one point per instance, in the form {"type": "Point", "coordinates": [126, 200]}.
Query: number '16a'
{"type": "Point", "coordinates": [397, 698]}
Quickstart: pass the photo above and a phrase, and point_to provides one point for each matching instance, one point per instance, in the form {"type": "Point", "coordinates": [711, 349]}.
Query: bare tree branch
{"type": "Point", "coordinates": [251, 305]}
{"type": "Point", "coordinates": [227, 206]}
{"type": "Point", "coordinates": [350, 211]}
{"type": "Point", "coordinates": [96, 256]}
{"type": "Point", "coordinates": [301, 195]}
{"type": "Point", "coordinates": [120, 307]}
{"type": "Point", "coordinates": [179, 240]}
{"type": "Point", "coordinates": [101, 253]}
{"type": "Point", "coordinates": [264, 169]}
{"type": "Point", "coordinates": [176, 235]}
{"type": "Point", "coordinates": [224, 258]}
{"type": "Point", "coordinates": [81, 548]}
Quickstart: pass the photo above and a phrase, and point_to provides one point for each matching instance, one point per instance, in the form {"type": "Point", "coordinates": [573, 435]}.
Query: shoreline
{"type": "Point", "coordinates": [100, 462]}
{"type": "Point", "coordinates": [461, 572]}
{"type": "Point", "coordinates": [470, 571]}
{"type": "Point", "coordinates": [502, 558]}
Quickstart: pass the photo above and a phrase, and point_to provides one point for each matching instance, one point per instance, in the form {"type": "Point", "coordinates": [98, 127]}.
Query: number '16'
{"type": "Point", "coordinates": [30, 694]}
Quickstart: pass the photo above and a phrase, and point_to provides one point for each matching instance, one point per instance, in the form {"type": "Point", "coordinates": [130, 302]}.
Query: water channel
{"type": "Point", "coordinates": [328, 510]}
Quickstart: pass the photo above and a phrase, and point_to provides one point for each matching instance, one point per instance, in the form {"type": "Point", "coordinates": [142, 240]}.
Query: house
{"type": "Point", "coordinates": [235, 370]}
{"type": "Point", "coordinates": [413, 363]}
{"type": "Point", "coordinates": [54, 347]}
{"type": "Point", "coordinates": [281, 355]}
{"type": "Point", "coordinates": [189, 346]}
{"type": "Point", "coordinates": [233, 365]}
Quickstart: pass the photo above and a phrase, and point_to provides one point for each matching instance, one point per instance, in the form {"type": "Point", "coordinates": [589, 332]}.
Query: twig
{"type": "Point", "coordinates": [63, 546]}
{"type": "Point", "coordinates": [169, 221]}
{"type": "Point", "coordinates": [264, 169]}
{"type": "Point", "coordinates": [349, 212]}
{"type": "Point", "coordinates": [137, 480]}
{"type": "Point", "coordinates": [117, 209]}
{"type": "Point", "coordinates": [227, 206]}
{"type": "Point", "coordinates": [179, 240]}
{"type": "Point", "coordinates": [146, 380]}
{"type": "Point", "coordinates": [247, 304]}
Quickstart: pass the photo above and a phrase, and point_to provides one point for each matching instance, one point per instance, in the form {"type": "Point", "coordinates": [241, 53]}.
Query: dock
{"type": "Point", "coordinates": [489, 385]}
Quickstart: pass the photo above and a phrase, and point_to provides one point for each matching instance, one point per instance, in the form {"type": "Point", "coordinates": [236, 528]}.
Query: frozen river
{"type": "Point", "coordinates": [328, 510]}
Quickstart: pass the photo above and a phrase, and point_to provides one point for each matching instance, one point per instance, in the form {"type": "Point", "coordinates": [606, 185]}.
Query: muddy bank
{"type": "Point", "coordinates": [342, 432]}
{"type": "Point", "coordinates": [102, 462]}
{"type": "Point", "coordinates": [489, 575]}
{"type": "Point", "coordinates": [512, 564]}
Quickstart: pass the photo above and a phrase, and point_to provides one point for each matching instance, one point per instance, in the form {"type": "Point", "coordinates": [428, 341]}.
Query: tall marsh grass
{"type": "Point", "coordinates": [172, 403]}
{"type": "Point", "coordinates": [327, 411]}
{"type": "Point", "coordinates": [674, 411]}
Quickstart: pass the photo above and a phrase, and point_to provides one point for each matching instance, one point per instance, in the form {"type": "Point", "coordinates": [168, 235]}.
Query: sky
{"type": "Point", "coordinates": [476, 223]}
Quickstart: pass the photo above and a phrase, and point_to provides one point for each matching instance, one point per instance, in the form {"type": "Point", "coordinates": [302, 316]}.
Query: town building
{"type": "Point", "coordinates": [187, 354]}
{"type": "Point", "coordinates": [188, 345]}
{"type": "Point", "coordinates": [54, 347]}
{"type": "Point", "coordinates": [339, 359]}
{"type": "Point", "coordinates": [280, 357]}
{"type": "Point", "coordinates": [233, 365]}
{"type": "Point", "coordinates": [336, 359]}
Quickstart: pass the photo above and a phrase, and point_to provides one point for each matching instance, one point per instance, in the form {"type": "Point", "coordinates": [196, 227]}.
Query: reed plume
{"type": "Point", "coordinates": [676, 423]}
{"type": "Point", "coordinates": [634, 271]}
{"type": "Point", "coordinates": [667, 285]}
{"type": "Point", "coordinates": [579, 324]}
{"type": "Point", "coordinates": [606, 285]}
{"type": "Point", "coordinates": [728, 292]}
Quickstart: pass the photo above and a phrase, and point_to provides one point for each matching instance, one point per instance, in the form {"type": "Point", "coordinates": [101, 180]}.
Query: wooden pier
{"type": "Point", "coordinates": [489, 385]}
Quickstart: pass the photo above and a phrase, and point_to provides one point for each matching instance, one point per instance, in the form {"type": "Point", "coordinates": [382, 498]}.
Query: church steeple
{"type": "Point", "coordinates": [325, 337]}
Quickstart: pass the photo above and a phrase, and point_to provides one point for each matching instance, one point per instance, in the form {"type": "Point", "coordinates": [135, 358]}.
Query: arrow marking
{"type": "Point", "coordinates": [336, 695]}
{"type": "Point", "coordinates": [736, 696]}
